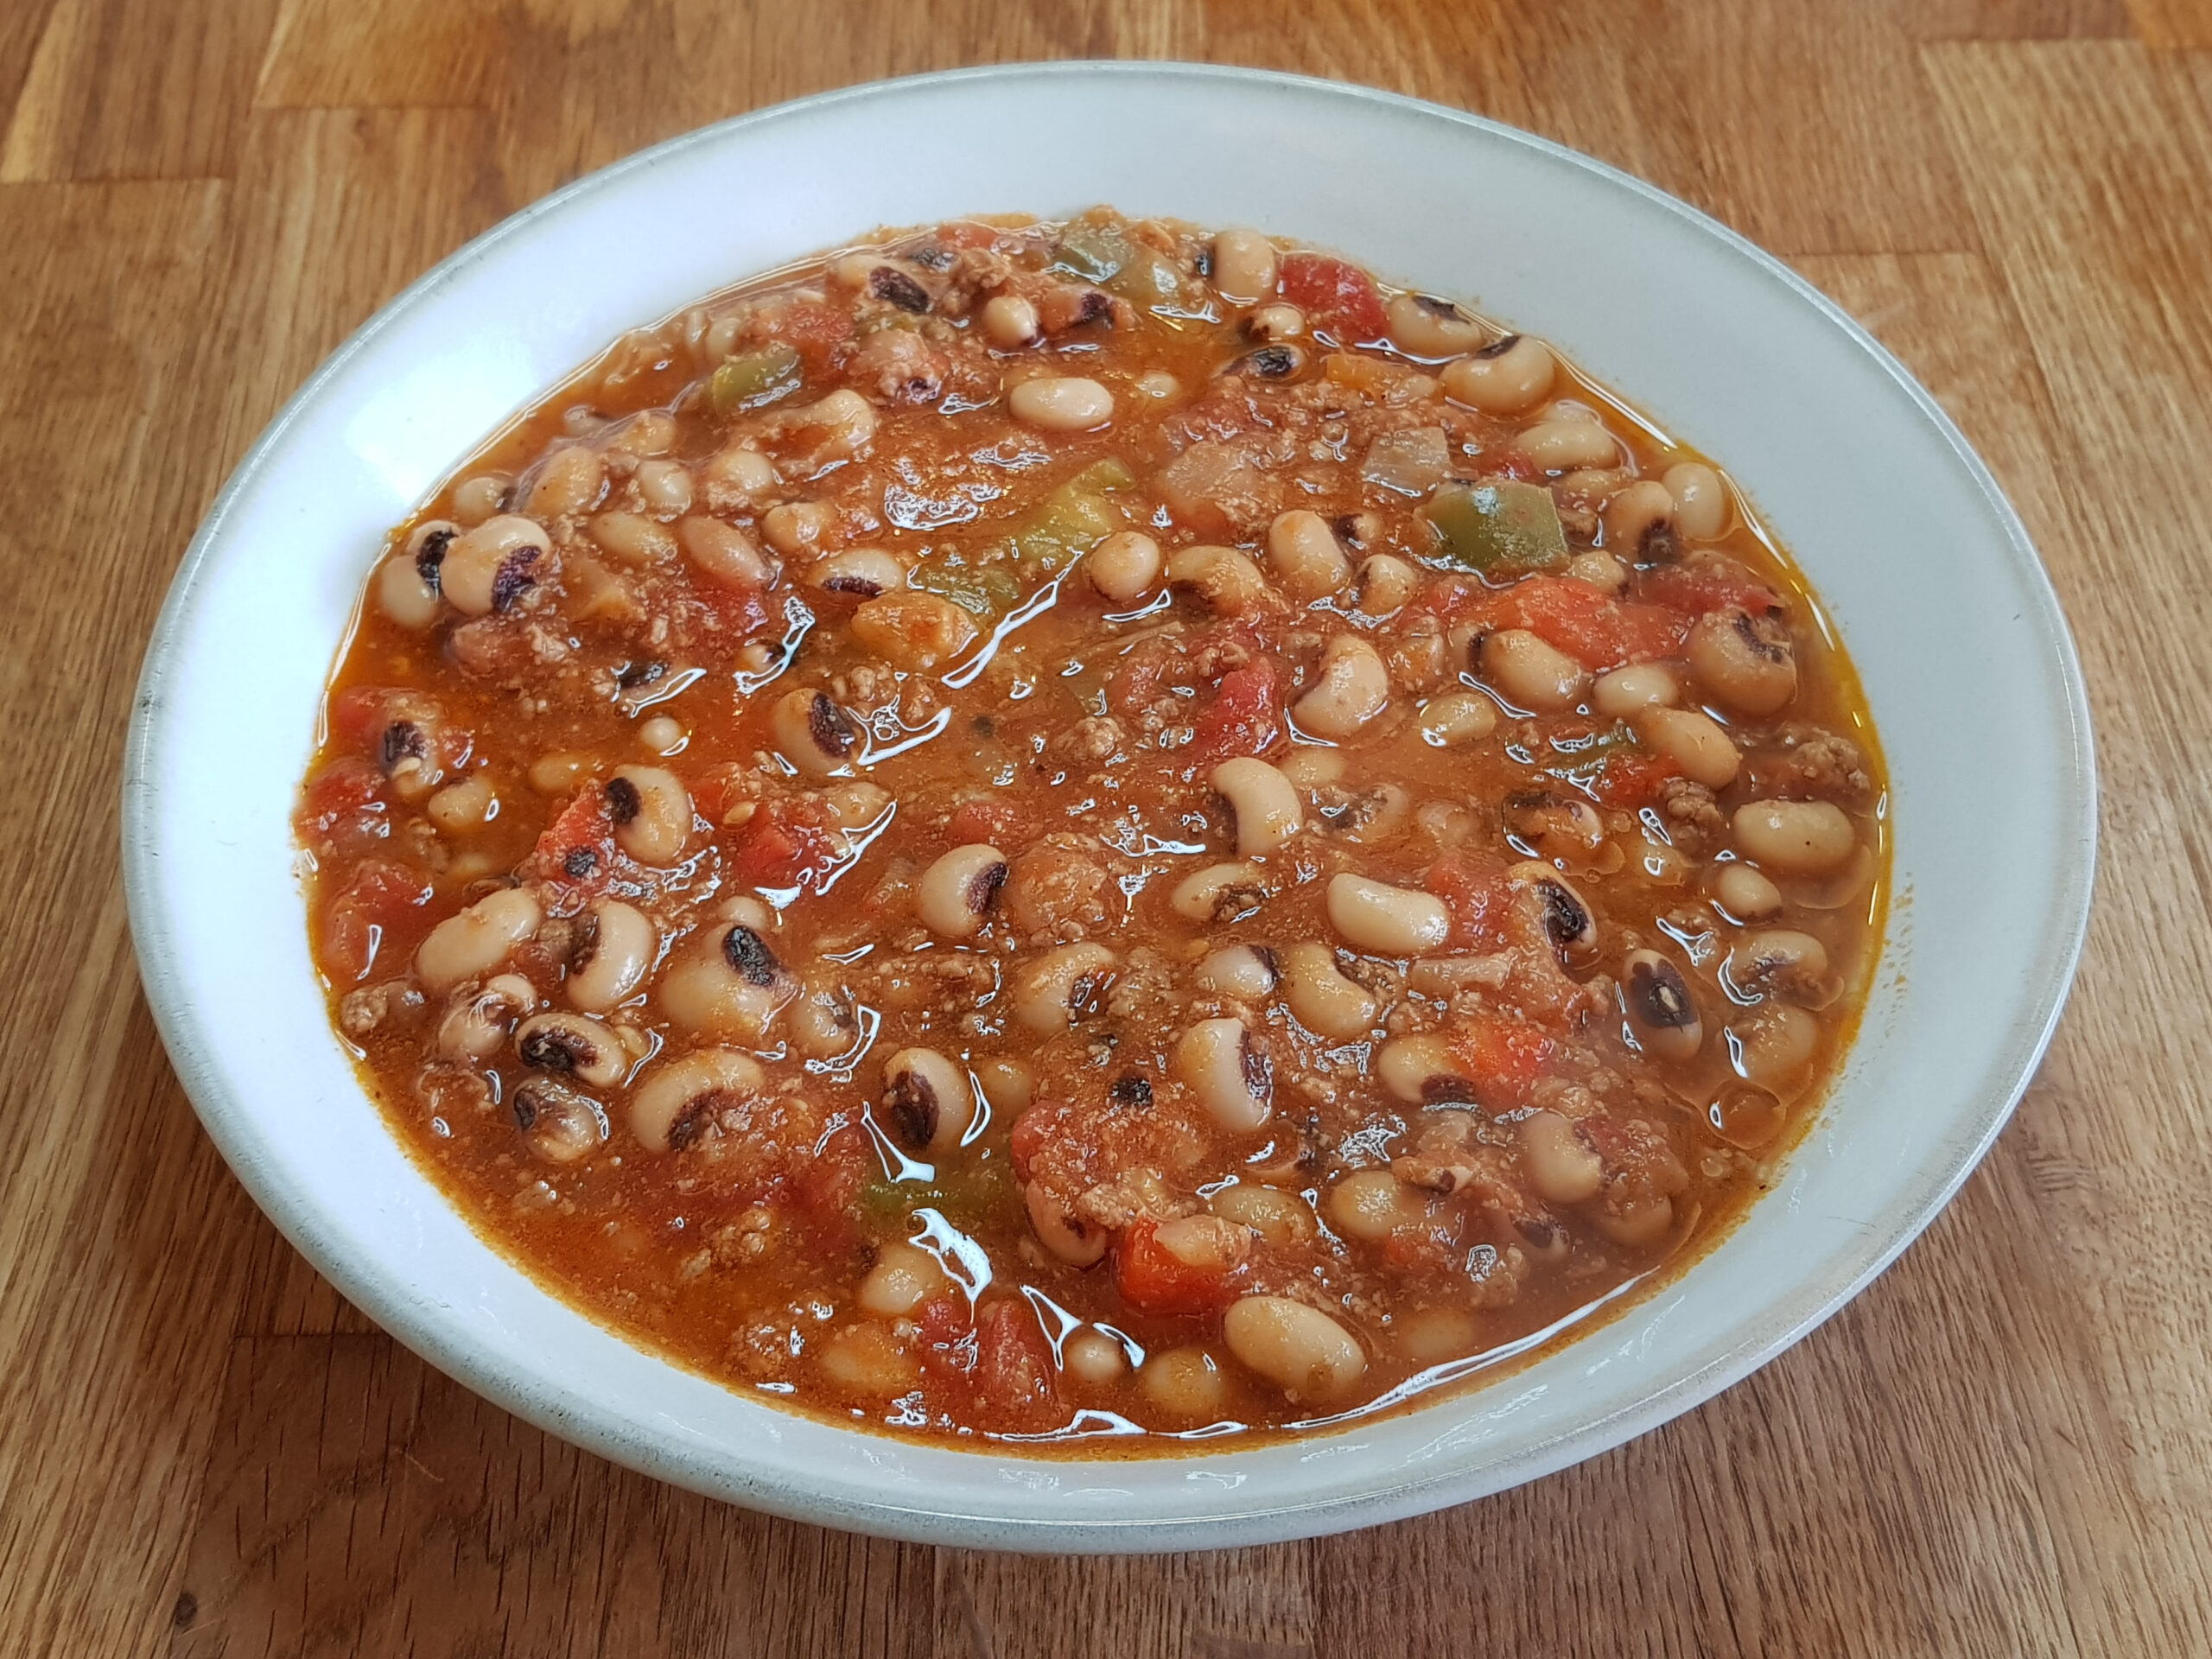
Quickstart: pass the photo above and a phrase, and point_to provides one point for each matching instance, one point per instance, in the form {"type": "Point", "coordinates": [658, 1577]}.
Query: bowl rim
{"type": "Point", "coordinates": [229, 1121]}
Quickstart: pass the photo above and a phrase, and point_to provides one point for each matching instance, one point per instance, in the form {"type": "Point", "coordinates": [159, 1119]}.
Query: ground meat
{"type": "Point", "coordinates": [901, 367]}
{"type": "Point", "coordinates": [1693, 815]}
{"type": "Point", "coordinates": [1091, 742]}
{"type": "Point", "coordinates": [1144, 992]}
{"type": "Point", "coordinates": [1820, 763]}
{"type": "Point", "coordinates": [375, 1008]}
{"type": "Point", "coordinates": [1056, 891]}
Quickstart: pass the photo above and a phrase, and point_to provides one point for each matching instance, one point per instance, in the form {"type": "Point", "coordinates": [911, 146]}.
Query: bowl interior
{"type": "Point", "coordinates": [1925, 570]}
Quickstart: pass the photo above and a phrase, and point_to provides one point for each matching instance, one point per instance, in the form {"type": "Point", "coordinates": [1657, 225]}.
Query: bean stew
{"type": "Point", "coordinates": [1061, 830]}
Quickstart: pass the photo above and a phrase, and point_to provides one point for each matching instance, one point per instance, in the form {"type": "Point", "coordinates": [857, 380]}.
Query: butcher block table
{"type": "Point", "coordinates": [2004, 1447]}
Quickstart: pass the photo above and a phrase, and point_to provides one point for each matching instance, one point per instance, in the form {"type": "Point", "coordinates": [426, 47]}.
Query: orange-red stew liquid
{"type": "Point", "coordinates": [1091, 828]}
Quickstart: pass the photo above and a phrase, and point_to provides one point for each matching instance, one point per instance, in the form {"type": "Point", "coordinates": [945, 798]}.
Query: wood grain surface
{"type": "Point", "coordinates": [2004, 1447]}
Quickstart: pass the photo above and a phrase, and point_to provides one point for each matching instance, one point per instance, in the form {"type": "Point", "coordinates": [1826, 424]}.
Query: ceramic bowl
{"type": "Point", "coordinates": [1925, 569]}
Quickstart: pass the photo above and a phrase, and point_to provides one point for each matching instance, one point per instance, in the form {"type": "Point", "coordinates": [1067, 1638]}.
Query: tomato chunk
{"type": "Point", "coordinates": [380, 898]}
{"type": "Point", "coordinates": [1473, 888]}
{"type": "Point", "coordinates": [1012, 1377]}
{"type": "Point", "coordinates": [1597, 630]}
{"type": "Point", "coordinates": [1245, 716]}
{"type": "Point", "coordinates": [1709, 585]}
{"type": "Point", "coordinates": [1630, 778]}
{"type": "Point", "coordinates": [1503, 1058]}
{"type": "Point", "coordinates": [579, 845]}
{"type": "Point", "coordinates": [1339, 297]}
{"type": "Point", "coordinates": [786, 844]}
{"type": "Point", "coordinates": [1154, 1279]}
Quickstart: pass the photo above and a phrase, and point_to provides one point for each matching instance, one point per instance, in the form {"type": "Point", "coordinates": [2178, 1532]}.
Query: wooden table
{"type": "Point", "coordinates": [2001, 1448]}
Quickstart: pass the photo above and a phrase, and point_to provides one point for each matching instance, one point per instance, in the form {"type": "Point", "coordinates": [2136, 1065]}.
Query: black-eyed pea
{"type": "Point", "coordinates": [1008, 1084]}
{"type": "Point", "coordinates": [819, 739]}
{"type": "Point", "coordinates": [1639, 523]}
{"type": "Point", "coordinates": [1300, 1349]}
{"type": "Point", "coordinates": [1223, 579]}
{"type": "Point", "coordinates": [843, 423]}
{"type": "Point", "coordinates": [649, 432]}
{"type": "Point", "coordinates": [651, 810]}
{"type": "Point", "coordinates": [1695, 742]}
{"type": "Point", "coordinates": [1321, 997]}
{"type": "Point", "coordinates": [662, 734]}
{"type": "Point", "coordinates": [1010, 322]}
{"type": "Point", "coordinates": [1227, 1068]}
{"type": "Point", "coordinates": [560, 772]}
{"type": "Point", "coordinates": [1283, 1220]}
{"type": "Point", "coordinates": [927, 1104]}
{"type": "Point", "coordinates": [867, 1360]}
{"type": "Point", "coordinates": [1599, 571]}
{"type": "Point", "coordinates": [727, 985]}
{"type": "Point", "coordinates": [1781, 962]}
{"type": "Point", "coordinates": [408, 582]}
{"type": "Point", "coordinates": [1371, 1204]}
{"type": "Point", "coordinates": [1561, 1167]}
{"type": "Point", "coordinates": [559, 1124]}
{"type": "Point", "coordinates": [1457, 717]}
{"type": "Point", "coordinates": [490, 568]}
{"type": "Point", "coordinates": [823, 1020]}
{"type": "Point", "coordinates": [793, 528]}
{"type": "Point", "coordinates": [1746, 662]}
{"type": "Point", "coordinates": [633, 539]}
{"type": "Point", "coordinates": [459, 808]}
{"type": "Point", "coordinates": [1568, 921]}
{"type": "Point", "coordinates": [1386, 585]}
{"type": "Point", "coordinates": [620, 944]}
{"type": "Point", "coordinates": [1423, 326]}
{"type": "Point", "coordinates": [1563, 445]}
{"type": "Point", "coordinates": [1060, 402]}
{"type": "Point", "coordinates": [1385, 920]}
{"type": "Point", "coordinates": [1637, 1225]}
{"type": "Point", "coordinates": [666, 1105]}
{"type": "Point", "coordinates": [726, 553]}
{"type": "Point", "coordinates": [1429, 1336]}
{"type": "Point", "coordinates": [664, 487]}
{"type": "Point", "coordinates": [1794, 837]}
{"type": "Point", "coordinates": [955, 896]}
{"type": "Point", "coordinates": [1125, 566]}
{"type": "Point", "coordinates": [1622, 692]}
{"type": "Point", "coordinates": [1263, 805]}
{"type": "Point", "coordinates": [1186, 1384]}
{"type": "Point", "coordinates": [867, 571]}
{"type": "Point", "coordinates": [735, 475]}
{"type": "Point", "coordinates": [1509, 375]}
{"type": "Point", "coordinates": [902, 1277]}
{"type": "Point", "coordinates": [1773, 1045]}
{"type": "Point", "coordinates": [570, 482]}
{"type": "Point", "coordinates": [1075, 1240]}
{"type": "Point", "coordinates": [1659, 1007]}
{"type": "Point", "coordinates": [1245, 973]}
{"type": "Point", "coordinates": [1276, 321]}
{"type": "Point", "coordinates": [1415, 1067]}
{"type": "Point", "coordinates": [484, 496]}
{"type": "Point", "coordinates": [478, 939]}
{"type": "Point", "coordinates": [1744, 893]}
{"type": "Point", "coordinates": [572, 1045]}
{"type": "Point", "coordinates": [1244, 267]}
{"type": "Point", "coordinates": [1219, 893]}
{"type": "Point", "coordinates": [1352, 688]}
{"type": "Point", "coordinates": [476, 1028]}
{"type": "Point", "coordinates": [1305, 557]}
{"type": "Point", "coordinates": [1093, 1358]}
{"type": "Point", "coordinates": [1050, 992]}
{"type": "Point", "coordinates": [1528, 672]}
{"type": "Point", "coordinates": [1701, 500]}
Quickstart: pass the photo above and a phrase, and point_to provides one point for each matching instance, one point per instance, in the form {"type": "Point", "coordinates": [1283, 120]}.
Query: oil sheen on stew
{"type": "Point", "coordinates": [1082, 829]}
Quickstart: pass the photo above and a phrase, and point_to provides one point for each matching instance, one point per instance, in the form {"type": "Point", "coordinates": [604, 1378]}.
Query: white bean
{"type": "Point", "coordinates": [1326, 1002]}
{"type": "Point", "coordinates": [956, 894]}
{"type": "Point", "coordinates": [1299, 1349]}
{"type": "Point", "coordinates": [1385, 920]}
{"type": "Point", "coordinates": [1625, 691]}
{"type": "Point", "coordinates": [1261, 801]}
{"type": "Point", "coordinates": [1529, 672]}
{"type": "Point", "coordinates": [1305, 556]}
{"type": "Point", "coordinates": [903, 1277]}
{"type": "Point", "coordinates": [1796, 837]}
{"type": "Point", "coordinates": [1695, 742]}
{"type": "Point", "coordinates": [1352, 688]}
{"type": "Point", "coordinates": [1244, 266]}
{"type": "Point", "coordinates": [1229, 1072]}
{"type": "Point", "coordinates": [1055, 403]}
{"type": "Point", "coordinates": [1125, 566]}
{"type": "Point", "coordinates": [478, 939]}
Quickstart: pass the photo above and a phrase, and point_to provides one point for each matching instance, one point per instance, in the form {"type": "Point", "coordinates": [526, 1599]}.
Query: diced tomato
{"type": "Point", "coordinates": [347, 786]}
{"type": "Point", "coordinates": [829, 1184]}
{"type": "Point", "coordinates": [1630, 778]}
{"type": "Point", "coordinates": [1014, 1363]}
{"type": "Point", "coordinates": [784, 844]}
{"type": "Point", "coordinates": [379, 898]}
{"type": "Point", "coordinates": [1597, 630]}
{"type": "Point", "coordinates": [815, 330]}
{"type": "Point", "coordinates": [1244, 717]}
{"type": "Point", "coordinates": [1339, 297]}
{"type": "Point", "coordinates": [1709, 585]}
{"type": "Point", "coordinates": [579, 845]}
{"type": "Point", "coordinates": [357, 713]}
{"type": "Point", "coordinates": [737, 616]}
{"type": "Point", "coordinates": [1503, 1058]}
{"type": "Point", "coordinates": [1033, 1128]}
{"type": "Point", "coordinates": [1473, 888]}
{"type": "Point", "coordinates": [987, 822]}
{"type": "Point", "coordinates": [717, 789]}
{"type": "Point", "coordinates": [1155, 1281]}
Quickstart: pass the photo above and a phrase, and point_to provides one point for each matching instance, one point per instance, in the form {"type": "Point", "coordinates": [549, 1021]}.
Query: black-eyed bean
{"type": "Point", "coordinates": [1744, 893]}
{"type": "Point", "coordinates": [1008, 1084]}
{"type": "Point", "coordinates": [1219, 893]}
{"type": "Point", "coordinates": [1159, 385]}
{"type": "Point", "coordinates": [1780, 962]}
{"type": "Point", "coordinates": [619, 945]}
{"type": "Point", "coordinates": [735, 475]}
{"type": "Point", "coordinates": [727, 984]}
{"type": "Point", "coordinates": [560, 772]}
{"type": "Point", "coordinates": [1701, 500]}
{"type": "Point", "coordinates": [956, 894]}
{"type": "Point", "coordinates": [1423, 326]}
{"type": "Point", "coordinates": [1309, 768]}
{"type": "Point", "coordinates": [1504, 377]}
{"type": "Point", "coordinates": [649, 432]}
{"type": "Point", "coordinates": [1283, 1220]}
{"type": "Point", "coordinates": [1351, 688]}
{"type": "Point", "coordinates": [652, 811]}
{"type": "Point", "coordinates": [570, 482]}
{"type": "Point", "coordinates": [1227, 1068]}
{"type": "Point", "coordinates": [867, 571]}
{"type": "Point", "coordinates": [1325, 1001]}
{"type": "Point", "coordinates": [823, 1020]}
{"type": "Point", "coordinates": [1660, 1007]}
{"type": "Point", "coordinates": [476, 1028]}
{"type": "Point", "coordinates": [927, 1103]}
{"type": "Point", "coordinates": [1371, 1204]}
{"type": "Point", "coordinates": [1125, 566]}
{"type": "Point", "coordinates": [1744, 661]}
{"type": "Point", "coordinates": [1384, 920]}
{"type": "Point", "coordinates": [666, 1105]}
{"type": "Point", "coordinates": [1528, 672]}
{"type": "Point", "coordinates": [1773, 1045]}
{"type": "Point", "coordinates": [1384, 585]}
{"type": "Point", "coordinates": [1621, 693]}
{"type": "Point", "coordinates": [484, 496]}
{"type": "Point", "coordinates": [1562, 1165]}
{"type": "Point", "coordinates": [1263, 805]}
{"type": "Point", "coordinates": [1051, 991]}
{"type": "Point", "coordinates": [796, 527]}
{"type": "Point", "coordinates": [459, 808]}
{"type": "Point", "coordinates": [1074, 1239]}
{"type": "Point", "coordinates": [1457, 717]}
{"type": "Point", "coordinates": [1244, 267]}
{"type": "Point", "coordinates": [1560, 446]}
{"type": "Point", "coordinates": [1568, 921]}
{"type": "Point", "coordinates": [478, 939]}
{"type": "Point", "coordinates": [1599, 571]}
{"type": "Point", "coordinates": [1223, 578]}
{"type": "Point", "coordinates": [408, 582]}
{"type": "Point", "coordinates": [1305, 557]}
{"type": "Point", "coordinates": [1277, 322]}
{"type": "Point", "coordinates": [1010, 322]}
{"type": "Point", "coordinates": [1640, 523]}
{"type": "Point", "coordinates": [558, 1123]}
{"type": "Point", "coordinates": [902, 1277]}
{"type": "Point", "coordinates": [1695, 742]}
{"type": "Point", "coordinates": [1060, 402]}
{"type": "Point", "coordinates": [572, 1045]}
{"type": "Point", "coordinates": [490, 568]}
{"type": "Point", "coordinates": [1299, 1349]}
{"type": "Point", "coordinates": [1244, 972]}
{"type": "Point", "coordinates": [1418, 1068]}
{"type": "Point", "coordinates": [1093, 1358]}
{"type": "Point", "coordinates": [867, 1360]}
{"type": "Point", "coordinates": [1186, 1384]}
{"type": "Point", "coordinates": [662, 734]}
{"type": "Point", "coordinates": [1794, 837]}
{"type": "Point", "coordinates": [664, 487]}
{"type": "Point", "coordinates": [811, 731]}
{"type": "Point", "coordinates": [633, 538]}
{"type": "Point", "coordinates": [726, 553]}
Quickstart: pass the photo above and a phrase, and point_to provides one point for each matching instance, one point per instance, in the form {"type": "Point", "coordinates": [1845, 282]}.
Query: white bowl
{"type": "Point", "coordinates": [1938, 595]}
